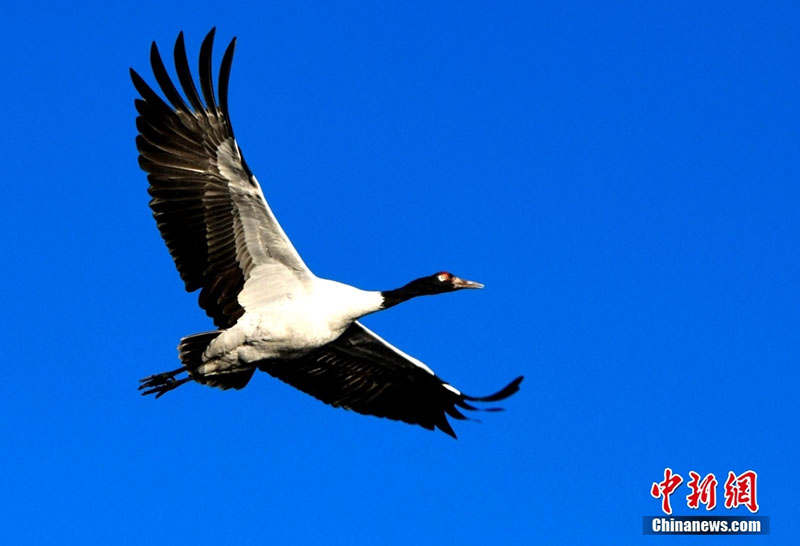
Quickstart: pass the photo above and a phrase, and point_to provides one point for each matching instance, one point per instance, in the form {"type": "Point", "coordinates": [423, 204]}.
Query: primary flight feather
{"type": "Point", "coordinates": [272, 313]}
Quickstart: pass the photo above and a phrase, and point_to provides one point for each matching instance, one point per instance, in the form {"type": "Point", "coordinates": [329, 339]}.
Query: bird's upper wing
{"type": "Point", "coordinates": [362, 372]}
{"type": "Point", "coordinates": [208, 205]}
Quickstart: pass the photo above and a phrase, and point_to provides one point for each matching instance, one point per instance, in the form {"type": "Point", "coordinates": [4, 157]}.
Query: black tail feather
{"type": "Point", "coordinates": [191, 348]}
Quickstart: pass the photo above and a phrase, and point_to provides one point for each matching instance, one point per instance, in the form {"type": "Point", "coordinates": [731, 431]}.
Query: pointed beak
{"type": "Point", "coordinates": [463, 283]}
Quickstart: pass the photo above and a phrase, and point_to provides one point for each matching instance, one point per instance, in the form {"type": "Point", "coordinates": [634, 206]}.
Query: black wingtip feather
{"type": "Point", "coordinates": [151, 98]}
{"type": "Point", "coordinates": [224, 76]}
{"type": "Point", "coordinates": [185, 75]}
{"type": "Point", "coordinates": [206, 80]}
{"type": "Point", "coordinates": [502, 394]}
{"type": "Point", "coordinates": [164, 81]}
{"type": "Point", "coordinates": [139, 83]}
{"type": "Point", "coordinates": [445, 427]}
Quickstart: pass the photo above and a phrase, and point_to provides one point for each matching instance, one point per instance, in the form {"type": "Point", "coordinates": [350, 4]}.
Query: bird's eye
{"type": "Point", "coordinates": [443, 277]}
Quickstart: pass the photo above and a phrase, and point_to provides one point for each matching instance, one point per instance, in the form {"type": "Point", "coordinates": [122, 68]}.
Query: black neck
{"type": "Point", "coordinates": [399, 295]}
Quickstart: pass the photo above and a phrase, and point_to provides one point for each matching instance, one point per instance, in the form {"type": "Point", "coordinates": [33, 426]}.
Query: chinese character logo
{"type": "Point", "coordinates": [666, 488]}
{"type": "Point", "coordinates": [703, 492]}
{"type": "Point", "coordinates": [739, 490]}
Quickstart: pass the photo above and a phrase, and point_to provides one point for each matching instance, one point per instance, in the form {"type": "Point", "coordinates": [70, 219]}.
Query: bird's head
{"type": "Point", "coordinates": [441, 282]}
{"type": "Point", "coordinates": [438, 283]}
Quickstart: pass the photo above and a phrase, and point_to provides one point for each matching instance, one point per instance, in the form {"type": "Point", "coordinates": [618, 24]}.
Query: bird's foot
{"type": "Point", "coordinates": [161, 383]}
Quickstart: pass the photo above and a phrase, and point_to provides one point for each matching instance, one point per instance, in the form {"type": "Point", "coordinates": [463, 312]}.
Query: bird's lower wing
{"type": "Point", "coordinates": [362, 372]}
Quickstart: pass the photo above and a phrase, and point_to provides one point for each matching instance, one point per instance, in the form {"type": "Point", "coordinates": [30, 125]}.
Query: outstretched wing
{"type": "Point", "coordinates": [362, 372]}
{"type": "Point", "coordinates": [208, 205]}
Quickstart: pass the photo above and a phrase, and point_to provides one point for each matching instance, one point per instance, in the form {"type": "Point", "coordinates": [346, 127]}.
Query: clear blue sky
{"type": "Point", "coordinates": [624, 180]}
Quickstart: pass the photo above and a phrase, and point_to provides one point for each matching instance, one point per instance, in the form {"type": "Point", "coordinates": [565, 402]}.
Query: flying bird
{"type": "Point", "coordinates": [271, 312]}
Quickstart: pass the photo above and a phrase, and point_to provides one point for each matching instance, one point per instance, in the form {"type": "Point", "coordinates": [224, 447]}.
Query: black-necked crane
{"type": "Point", "coordinates": [272, 313]}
